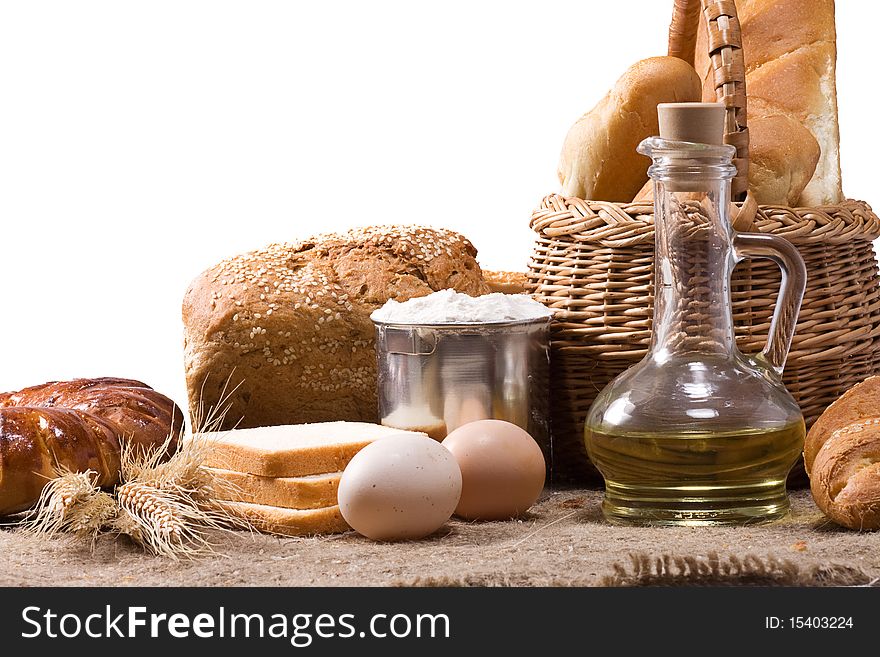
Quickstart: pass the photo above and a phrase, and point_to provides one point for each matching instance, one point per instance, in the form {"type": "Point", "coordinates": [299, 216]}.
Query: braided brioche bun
{"type": "Point", "coordinates": [76, 425]}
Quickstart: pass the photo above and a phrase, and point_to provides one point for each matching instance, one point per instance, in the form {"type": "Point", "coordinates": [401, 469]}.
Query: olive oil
{"type": "Point", "coordinates": [696, 477]}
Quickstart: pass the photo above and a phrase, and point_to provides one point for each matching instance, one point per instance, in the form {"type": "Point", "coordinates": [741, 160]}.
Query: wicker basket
{"type": "Point", "coordinates": [593, 264]}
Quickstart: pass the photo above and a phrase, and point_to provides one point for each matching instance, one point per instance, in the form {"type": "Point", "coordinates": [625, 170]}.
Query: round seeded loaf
{"type": "Point", "coordinates": [286, 332]}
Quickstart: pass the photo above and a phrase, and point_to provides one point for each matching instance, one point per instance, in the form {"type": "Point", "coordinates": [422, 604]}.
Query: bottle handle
{"type": "Point", "coordinates": [791, 291]}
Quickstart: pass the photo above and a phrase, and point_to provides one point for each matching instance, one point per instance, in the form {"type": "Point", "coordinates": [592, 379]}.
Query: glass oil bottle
{"type": "Point", "coordinates": [699, 433]}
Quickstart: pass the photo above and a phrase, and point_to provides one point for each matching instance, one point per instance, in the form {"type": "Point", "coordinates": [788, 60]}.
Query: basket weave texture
{"type": "Point", "coordinates": [593, 264]}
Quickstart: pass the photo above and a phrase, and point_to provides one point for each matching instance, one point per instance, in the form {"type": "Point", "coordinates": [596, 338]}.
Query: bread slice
{"type": "Point", "coordinates": [412, 418]}
{"type": "Point", "coordinates": [289, 522]}
{"type": "Point", "coordinates": [292, 450]}
{"type": "Point", "coordinates": [309, 492]}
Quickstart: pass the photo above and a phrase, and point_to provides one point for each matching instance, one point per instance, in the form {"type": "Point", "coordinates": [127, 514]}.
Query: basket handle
{"type": "Point", "coordinates": [728, 66]}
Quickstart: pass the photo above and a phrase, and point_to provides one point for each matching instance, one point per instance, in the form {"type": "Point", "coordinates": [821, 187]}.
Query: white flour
{"type": "Point", "coordinates": [451, 307]}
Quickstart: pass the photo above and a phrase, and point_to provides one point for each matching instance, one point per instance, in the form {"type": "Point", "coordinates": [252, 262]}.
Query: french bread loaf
{"type": "Point", "coordinates": [77, 425]}
{"type": "Point", "coordinates": [599, 160]}
{"type": "Point", "coordinates": [783, 155]}
{"type": "Point", "coordinates": [842, 457]}
{"type": "Point", "coordinates": [845, 477]}
{"type": "Point", "coordinates": [790, 55]}
{"type": "Point", "coordinates": [287, 330]}
{"type": "Point", "coordinates": [860, 402]}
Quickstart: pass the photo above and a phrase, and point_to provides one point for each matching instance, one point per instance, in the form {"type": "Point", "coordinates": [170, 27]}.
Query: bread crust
{"type": "Point", "coordinates": [860, 402]}
{"type": "Point", "coordinates": [266, 463]}
{"type": "Point", "coordinates": [77, 425]}
{"type": "Point", "coordinates": [311, 492]}
{"type": "Point", "coordinates": [845, 479]}
{"type": "Point", "coordinates": [287, 327]}
{"type": "Point", "coordinates": [790, 53]}
{"type": "Point", "coordinates": [289, 522]}
{"type": "Point", "coordinates": [506, 282]}
{"type": "Point", "coordinates": [599, 159]}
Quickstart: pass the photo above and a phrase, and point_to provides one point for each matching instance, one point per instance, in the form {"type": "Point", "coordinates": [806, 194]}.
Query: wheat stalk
{"type": "Point", "coordinates": [169, 507]}
{"type": "Point", "coordinates": [72, 503]}
{"type": "Point", "coordinates": [164, 522]}
{"type": "Point", "coordinates": [90, 517]}
{"type": "Point", "coordinates": [166, 504]}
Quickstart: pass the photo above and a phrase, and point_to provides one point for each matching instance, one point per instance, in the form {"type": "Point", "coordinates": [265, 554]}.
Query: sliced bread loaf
{"type": "Point", "coordinates": [310, 492]}
{"type": "Point", "coordinates": [292, 450]}
{"type": "Point", "coordinates": [289, 522]}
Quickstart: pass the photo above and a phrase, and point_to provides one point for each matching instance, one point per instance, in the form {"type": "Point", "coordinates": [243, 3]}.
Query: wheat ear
{"type": "Point", "coordinates": [72, 503]}
{"type": "Point", "coordinates": [164, 522]}
{"type": "Point", "coordinates": [168, 506]}
{"type": "Point", "coordinates": [183, 473]}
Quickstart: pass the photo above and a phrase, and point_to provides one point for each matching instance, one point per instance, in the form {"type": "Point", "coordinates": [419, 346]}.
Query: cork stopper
{"type": "Point", "coordinates": [702, 123]}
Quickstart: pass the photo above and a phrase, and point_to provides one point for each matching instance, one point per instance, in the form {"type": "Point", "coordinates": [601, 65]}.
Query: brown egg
{"type": "Point", "coordinates": [502, 469]}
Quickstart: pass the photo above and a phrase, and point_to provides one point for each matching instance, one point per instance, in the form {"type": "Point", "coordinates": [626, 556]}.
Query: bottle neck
{"type": "Point", "coordinates": [693, 262]}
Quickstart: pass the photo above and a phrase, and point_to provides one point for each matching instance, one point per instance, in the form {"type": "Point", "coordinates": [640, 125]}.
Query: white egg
{"type": "Point", "coordinates": [400, 487]}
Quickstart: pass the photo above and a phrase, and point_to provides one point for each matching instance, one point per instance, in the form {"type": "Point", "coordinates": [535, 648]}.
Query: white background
{"type": "Point", "coordinates": [141, 142]}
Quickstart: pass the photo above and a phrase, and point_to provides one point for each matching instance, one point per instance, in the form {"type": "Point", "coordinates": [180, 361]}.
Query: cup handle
{"type": "Point", "coordinates": [791, 292]}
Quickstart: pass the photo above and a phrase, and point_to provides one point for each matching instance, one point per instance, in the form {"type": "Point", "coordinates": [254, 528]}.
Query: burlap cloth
{"type": "Point", "coordinates": [564, 541]}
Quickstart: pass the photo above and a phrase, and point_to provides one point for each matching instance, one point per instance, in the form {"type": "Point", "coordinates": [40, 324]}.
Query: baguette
{"type": "Point", "coordinates": [782, 157]}
{"type": "Point", "coordinates": [860, 402]}
{"type": "Point", "coordinates": [845, 479]}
